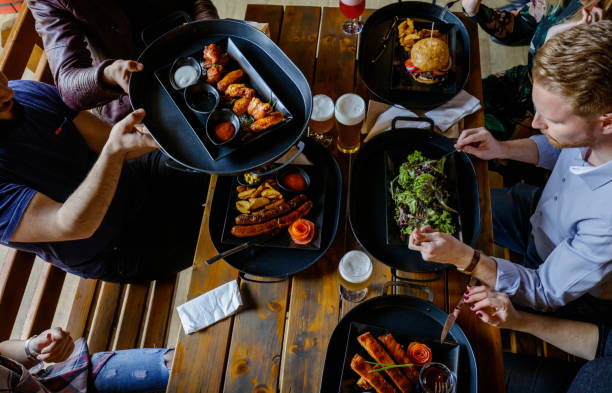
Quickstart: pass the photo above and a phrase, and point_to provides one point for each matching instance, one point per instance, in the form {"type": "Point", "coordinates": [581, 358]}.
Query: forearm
{"type": "Point", "coordinates": [577, 338]}
{"type": "Point", "coordinates": [15, 349]}
{"type": "Point", "coordinates": [82, 213]}
{"type": "Point", "coordinates": [486, 269]}
{"type": "Point", "coordinates": [508, 27]}
{"type": "Point", "coordinates": [524, 150]}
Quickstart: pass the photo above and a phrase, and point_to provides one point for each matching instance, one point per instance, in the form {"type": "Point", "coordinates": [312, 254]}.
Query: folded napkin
{"type": "Point", "coordinates": [444, 116]}
{"type": "Point", "coordinates": [210, 307]}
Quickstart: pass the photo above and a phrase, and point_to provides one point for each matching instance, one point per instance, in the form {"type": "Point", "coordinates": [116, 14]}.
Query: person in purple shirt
{"type": "Point", "coordinates": [567, 242]}
{"type": "Point", "coordinates": [93, 200]}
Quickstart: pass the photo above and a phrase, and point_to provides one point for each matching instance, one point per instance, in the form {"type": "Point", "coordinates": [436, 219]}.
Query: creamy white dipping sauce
{"type": "Point", "coordinates": [185, 76]}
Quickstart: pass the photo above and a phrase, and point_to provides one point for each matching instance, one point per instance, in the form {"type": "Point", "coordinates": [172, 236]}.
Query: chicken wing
{"type": "Point", "coordinates": [258, 109]}
{"type": "Point", "coordinates": [239, 90]}
{"type": "Point", "coordinates": [264, 123]}
{"type": "Point", "coordinates": [241, 105]}
{"type": "Point", "coordinates": [212, 53]}
{"type": "Point", "coordinates": [214, 73]}
{"type": "Point", "coordinates": [230, 78]}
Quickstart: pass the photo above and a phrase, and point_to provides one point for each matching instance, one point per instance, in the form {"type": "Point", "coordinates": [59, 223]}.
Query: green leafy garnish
{"type": "Point", "coordinates": [382, 366]}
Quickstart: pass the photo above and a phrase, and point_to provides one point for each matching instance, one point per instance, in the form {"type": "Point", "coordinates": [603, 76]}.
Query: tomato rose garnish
{"type": "Point", "coordinates": [419, 353]}
{"type": "Point", "coordinates": [302, 231]}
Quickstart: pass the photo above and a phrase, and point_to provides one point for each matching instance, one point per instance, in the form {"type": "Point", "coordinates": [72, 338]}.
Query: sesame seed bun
{"type": "Point", "coordinates": [430, 54]}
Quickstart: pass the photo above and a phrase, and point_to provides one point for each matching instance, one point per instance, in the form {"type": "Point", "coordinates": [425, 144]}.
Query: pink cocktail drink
{"type": "Point", "coordinates": [352, 8]}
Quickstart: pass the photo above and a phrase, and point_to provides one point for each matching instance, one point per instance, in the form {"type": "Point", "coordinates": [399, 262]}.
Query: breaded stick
{"type": "Point", "coordinates": [381, 356]}
{"type": "Point", "coordinates": [398, 353]}
{"type": "Point", "coordinates": [376, 380]}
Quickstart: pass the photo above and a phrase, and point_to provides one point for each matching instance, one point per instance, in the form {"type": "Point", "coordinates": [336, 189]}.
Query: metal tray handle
{"type": "Point", "coordinates": [300, 146]}
{"type": "Point", "coordinates": [411, 118]}
{"type": "Point", "coordinates": [390, 284]}
{"type": "Point", "coordinates": [279, 279]}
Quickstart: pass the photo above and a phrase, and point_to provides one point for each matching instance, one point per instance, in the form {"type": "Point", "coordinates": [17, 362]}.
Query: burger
{"type": "Point", "coordinates": [429, 61]}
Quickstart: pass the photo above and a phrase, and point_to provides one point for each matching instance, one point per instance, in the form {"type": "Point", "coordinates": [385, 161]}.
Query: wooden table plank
{"type": "Point", "coordinates": [188, 373]}
{"type": "Point", "coordinates": [13, 281]}
{"type": "Point", "coordinates": [256, 343]}
{"type": "Point", "coordinates": [159, 313]}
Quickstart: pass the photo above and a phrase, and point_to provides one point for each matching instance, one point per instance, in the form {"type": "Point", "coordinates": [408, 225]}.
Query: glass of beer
{"type": "Point", "coordinates": [352, 9]}
{"type": "Point", "coordinates": [322, 119]}
{"type": "Point", "coordinates": [355, 273]}
{"type": "Point", "coordinates": [350, 112]}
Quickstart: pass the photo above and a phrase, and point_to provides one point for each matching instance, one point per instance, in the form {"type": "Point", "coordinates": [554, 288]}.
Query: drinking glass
{"type": "Point", "coordinates": [350, 112]}
{"type": "Point", "coordinates": [355, 273]}
{"type": "Point", "coordinates": [352, 9]}
{"type": "Point", "coordinates": [322, 119]}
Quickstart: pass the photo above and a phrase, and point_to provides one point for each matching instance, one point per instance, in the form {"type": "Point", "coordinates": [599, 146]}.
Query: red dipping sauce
{"type": "Point", "coordinates": [294, 181]}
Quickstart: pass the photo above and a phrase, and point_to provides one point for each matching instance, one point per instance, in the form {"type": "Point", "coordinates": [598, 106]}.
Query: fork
{"type": "Point", "coordinates": [440, 387]}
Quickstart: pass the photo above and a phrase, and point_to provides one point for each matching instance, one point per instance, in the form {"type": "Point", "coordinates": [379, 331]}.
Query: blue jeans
{"type": "Point", "coordinates": [512, 207]}
{"type": "Point", "coordinates": [132, 371]}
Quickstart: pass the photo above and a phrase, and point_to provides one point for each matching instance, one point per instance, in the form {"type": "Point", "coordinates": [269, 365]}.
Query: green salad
{"type": "Point", "coordinates": [421, 182]}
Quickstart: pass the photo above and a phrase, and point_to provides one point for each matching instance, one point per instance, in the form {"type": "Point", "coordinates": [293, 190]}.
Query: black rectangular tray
{"type": "Point", "coordinates": [197, 121]}
{"type": "Point", "coordinates": [316, 193]}
{"type": "Point", "coordinates": [446, 353]}
{"type": "Point", "coordinates": [401, 79]}
{"type": "Point", "coordinates": [392, 165]}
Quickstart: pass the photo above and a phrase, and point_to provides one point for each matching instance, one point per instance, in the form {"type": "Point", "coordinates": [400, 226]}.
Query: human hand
{"type": "Point", "coordinates": [440, 247]}
{"type": "Point", "coordinates": [130, 139]}
{"type": "Point", "coordinates": [118, 73]}
{"type": "Point", "coordinates": [52, 345]}
{"type": "Point", "coordinates": [471, 7]}
{"type": "Point", "coordinates": [479, 142]}
{"type": "Point", "coordinates": [492, 307]}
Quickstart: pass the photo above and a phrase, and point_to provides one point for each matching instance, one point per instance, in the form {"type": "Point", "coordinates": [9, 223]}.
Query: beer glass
{"type": "Point", "coordinates": [352, 9]}
{"type": "Point", "coordinates": [355, 273]}
{"type": "Point", "coordinates": [322, 119]}
{"type": "Point", "coordinates": [350, 112]}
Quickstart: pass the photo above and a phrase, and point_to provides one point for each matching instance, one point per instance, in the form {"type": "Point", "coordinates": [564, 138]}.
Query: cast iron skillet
{"type": "Point", "coordinates": [368, 192]}
{"type": "Point", "coordinates": [375, 75]}
{"type": "Point", "coordinates": [401, 313]}
{"type": "Point", "coordinates": [280, 262]}
{"type": "Point", "coordinates": [171, 130]}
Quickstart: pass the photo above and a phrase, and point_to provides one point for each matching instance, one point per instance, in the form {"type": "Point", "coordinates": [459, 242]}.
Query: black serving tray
{"type": "Point", "coordinates": [401, 81]}
{"type": "Point", "coordinates": [392, 163]}
{"type": "Point", "coordinates": [316, 193]}
{"type": "Point", "coordinates": [197, 121]}
{"type": "Point", "coordinates": [446, 353]}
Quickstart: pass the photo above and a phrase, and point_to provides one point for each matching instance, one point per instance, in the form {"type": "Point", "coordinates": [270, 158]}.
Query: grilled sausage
{"type": "Point", "coordinates": [269, 226]}
{"type": "Point", "coordinates": [265, 215]}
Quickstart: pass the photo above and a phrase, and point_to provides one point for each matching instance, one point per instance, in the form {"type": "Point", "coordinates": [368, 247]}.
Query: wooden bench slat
{"type": "Point", "coordinates": [103, 317]}
{"type": "Point", "coordinates": [80, 309]}
{"type": "Point", "coordinates": [18, 48]}
{"type": "Point", "coordinates": [44, 302]}
{"type": "Point", "coordinates": [130, 316]}
{"type": "Point", "coordinates": [155, 325]}
{"type": "Point", "coordinates": [43, 72]}
{"type": "Point", "coordinates": [13, 280]}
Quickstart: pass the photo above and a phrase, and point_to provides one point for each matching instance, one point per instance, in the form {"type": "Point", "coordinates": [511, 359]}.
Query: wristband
{"type": "Point", "coordinates": [30, 355]}
{"type": "Point", "coordinates": [470, 268]}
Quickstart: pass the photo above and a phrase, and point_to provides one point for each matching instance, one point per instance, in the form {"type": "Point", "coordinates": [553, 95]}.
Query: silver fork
{"type": "Point", "coordinates": [440, 387]}
{"type": "Point", "coordinates": [420, 214]}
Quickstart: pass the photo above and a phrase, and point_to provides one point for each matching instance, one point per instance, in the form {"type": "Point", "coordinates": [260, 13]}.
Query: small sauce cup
{"type": "Point", "coordinates": [433, 374]}
{"type": "Point", "coordinates": [285, 179]}
{"type": "Point", "coordinates": [202, 97]}
{"type": "Point", "coordinates": [184, 62]}
{"type": "Point", "coordinates": [218, 117]}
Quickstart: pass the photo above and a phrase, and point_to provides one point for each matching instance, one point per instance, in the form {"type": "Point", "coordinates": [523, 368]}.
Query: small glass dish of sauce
{"type": "Point", "coordinates": [293, 179]}
{"type": "Point", "coordinates": [202, 97]}
{"type": "Point", "coordinates": [185, 71]}
{"type": "Point", "coordinates": [436, 375]}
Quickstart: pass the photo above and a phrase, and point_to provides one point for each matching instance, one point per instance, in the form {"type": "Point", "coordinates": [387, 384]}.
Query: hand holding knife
{"type": "Point", "coordinates": [385, 40]}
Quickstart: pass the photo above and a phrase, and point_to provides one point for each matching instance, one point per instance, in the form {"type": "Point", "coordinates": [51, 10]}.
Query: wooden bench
{"type": "Point", "coordinates": [111, 316]}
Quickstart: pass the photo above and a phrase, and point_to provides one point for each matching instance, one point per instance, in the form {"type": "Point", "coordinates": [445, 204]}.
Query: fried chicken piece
{"type": "Point", "coordinates": [259, 109]}
{"type": "Point", "coordinates": [374, 379]}
{"type": "Point", "coordinates": [212, 53]}
{"type": "Point", "coordinates": [376, 350]}
{"type": "Point", "coordinates": [239, 90]}
{"type": "Point", "coordinates": [241, 105]}
{"type": "Point", "coordinates": [230, 78]}
{"type": "Point", "coordinates": [214, 73]}
{"type": "Point", "coordinates": [398, 353]}
{"type": "Point", "coordinates": [266, 122]}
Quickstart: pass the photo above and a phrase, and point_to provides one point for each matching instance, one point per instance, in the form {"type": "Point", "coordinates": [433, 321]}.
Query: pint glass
{"type": "Point", "coordinates": [350, 112]}
{"type": "Point", "coordinates": [322, 118]}
{"type": "Point", "coordinates": [355, 273]}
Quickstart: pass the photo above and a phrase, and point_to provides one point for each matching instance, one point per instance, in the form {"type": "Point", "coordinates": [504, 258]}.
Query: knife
{"type": "Point", "coordinates": [452, 317]}
{"type": "Point", "coordinates": [255, 241]}
{"type": "Point", "coordinates": [385, 41]}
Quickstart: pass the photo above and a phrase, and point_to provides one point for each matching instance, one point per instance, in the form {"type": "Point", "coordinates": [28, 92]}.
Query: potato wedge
{"type": "Point", "coordinates": [239, 189]}
{"type": "Point", "coordinates": [271, 193]}
{"type": "Point", "coordinates": [257, 203]}
{"type": "Point", "coordinates": [257, 192]}
{"type": "Point", "coordinates": [243, 207]}
{"type": "Point", "coordinates": [273, 204]}
{"type": "Point", "coordinates": [246, 194]}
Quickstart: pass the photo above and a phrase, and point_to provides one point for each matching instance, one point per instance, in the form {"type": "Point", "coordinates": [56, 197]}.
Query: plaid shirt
{"type": "Point", "coordinates": [70, 376]}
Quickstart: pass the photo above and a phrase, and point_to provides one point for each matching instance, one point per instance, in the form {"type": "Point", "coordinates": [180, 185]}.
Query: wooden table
{"type": "Point", "coordinates": [278, 341]}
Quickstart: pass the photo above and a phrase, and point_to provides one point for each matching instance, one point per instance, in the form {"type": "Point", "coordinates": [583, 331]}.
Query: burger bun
{"type": "Point", "coordinates": [430, 54]}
